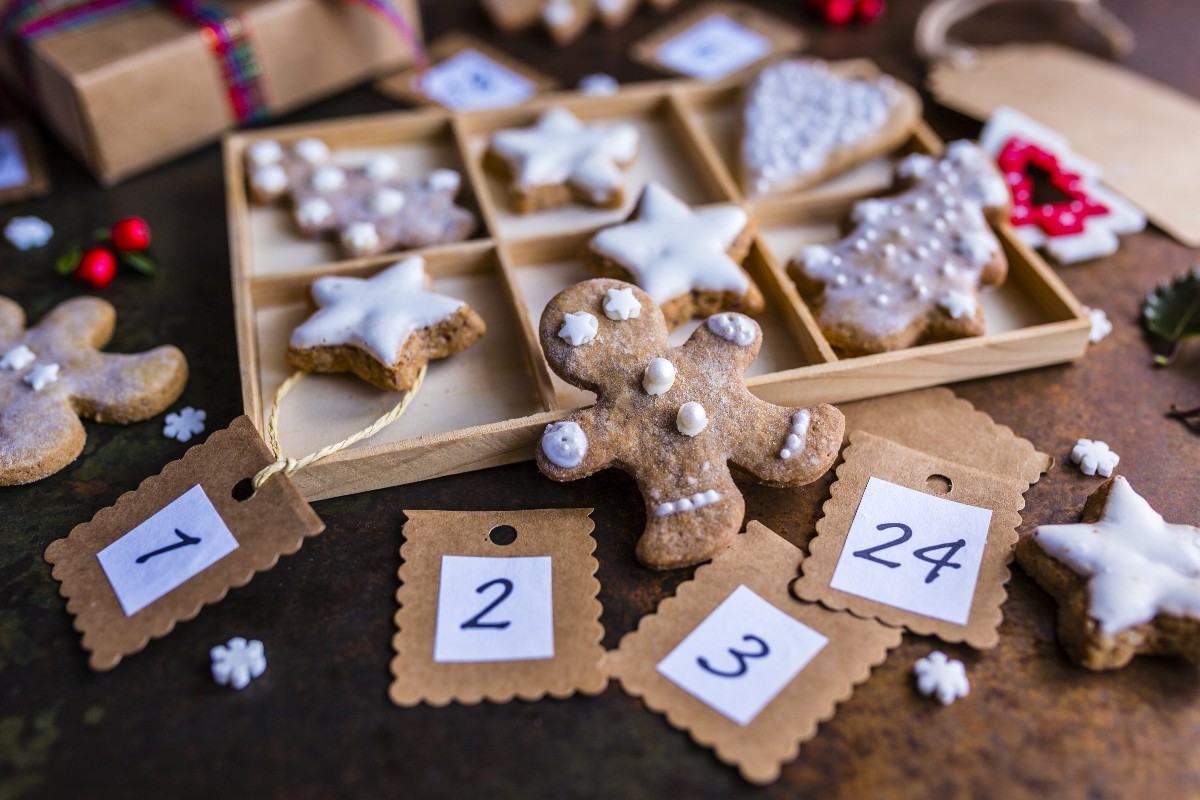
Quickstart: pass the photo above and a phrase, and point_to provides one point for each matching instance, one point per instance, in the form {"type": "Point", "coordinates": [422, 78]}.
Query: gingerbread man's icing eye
{"type": "Point", "coordinates": [620, 304]}
{"type": "Point", "coordinates": [579, 328]}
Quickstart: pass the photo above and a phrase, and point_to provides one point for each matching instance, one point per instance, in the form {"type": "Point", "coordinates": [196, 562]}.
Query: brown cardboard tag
{"type": "Point", "coordinates": [22, 168]}
{"type": "Point", "coordinates": [179, 541]}
{"type": "Point", "coordinates": [743, 666]}
{"type": "Point", "coordinates": [496, 605]}
{"type": "Point", "coordinates": [915, 540]}
{"type": "Point", "coordinates": [1141, 133]}
{"type": "Point", "coordinates": [718, 40]}
{"type": "Point", "coordinates": [492, 73]}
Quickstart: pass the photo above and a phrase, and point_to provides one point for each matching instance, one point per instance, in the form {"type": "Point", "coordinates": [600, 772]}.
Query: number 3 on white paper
{"type": "Point", "coordinates": [494, 609]}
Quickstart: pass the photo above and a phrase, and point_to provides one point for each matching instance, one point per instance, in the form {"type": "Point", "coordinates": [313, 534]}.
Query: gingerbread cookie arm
{"type": "Point", "coordinates": [79, 323]}
{"type": "Point", "coordinates": [788, 446]}
{"type": "Point", "coordinates": [125, 388]}
{"type": "Point", "coordinates": [570, 449]}
{"type": "Point", "coordinates": [12, 321]}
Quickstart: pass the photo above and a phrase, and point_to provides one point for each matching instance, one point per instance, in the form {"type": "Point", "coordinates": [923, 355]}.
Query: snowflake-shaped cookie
{"type": "Point", "coordinates": [559, 159]}
{"type": "Point", "coordinates": [237, 662]}
{"type": "Point", "coordinates": [912, 268]}
{"type": "Point", "coordinates": [1094, 457]}
{"type": "Point", "coordinates": [675, 418]}
{"type": "Point", "coordinates": [942, 677]}
{"type": "Point", "coordinates": [1126, 581]}
{"type": "Point", "coordinates": [383, 328]}
{"type": "Point", "coordinates": [183, 426]}
{"type": "Point", "coordinates": [53, 373]}
{"type": "Point", "coordinates": [687, 261]}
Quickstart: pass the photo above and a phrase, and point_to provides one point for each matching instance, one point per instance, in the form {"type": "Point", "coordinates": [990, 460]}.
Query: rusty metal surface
{"type": "Point", "coordinates": [318, 723]}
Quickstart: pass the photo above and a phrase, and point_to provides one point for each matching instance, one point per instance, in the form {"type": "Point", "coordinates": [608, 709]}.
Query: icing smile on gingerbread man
{"type": "Point", "coordinates": [675, 418]}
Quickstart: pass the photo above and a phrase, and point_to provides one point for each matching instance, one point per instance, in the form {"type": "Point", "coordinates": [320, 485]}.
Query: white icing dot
{"type": "Point", "coordinates": [265, 152]}
{"type": "Point", "coordinates": [269, 179]}
{"type": "Point", "coordinates": [361, 238]}
{"type": "Point", "coordinates": [558, 13]}
{"type": "Point", "coordinates": [599, 84]}
{"type": "Point", "coordinates": [839, 280]}
{"type": "Point", "coordinates": [620, 304]}
{"type": "Point", "coordinates": [313, 211]}
{"type": "Point", "coordinates": [882, 299]}
{"type": "Point", "coordinates": [386, 201]}
{"type": "Point", "coordinates": [579, 328]}
{"type": "Point", "coordinates": [382, 168]}
{"type": "Point", "coordinates": [328, 179]}
{"type": "Point", "coordinates": [733, 327]}
{"type": "Point", "coordinates": [659, 377]}
{"type": "Point", "coordinates": [691, 419]}
{"type": "Point", "coordinates": [690, 503]}
{"type": "Point", "coordinates": [314, 151]}
{"type": "Point", "coordinates": [564, 444]}
{"type": "Point", "coordinates": [444, 180]}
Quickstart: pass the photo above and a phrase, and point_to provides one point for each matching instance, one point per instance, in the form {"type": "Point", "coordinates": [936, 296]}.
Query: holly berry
{"type": "Point", "coordinates": [97, 267]}
{"type": "Point", "coordinates": [130, 235]}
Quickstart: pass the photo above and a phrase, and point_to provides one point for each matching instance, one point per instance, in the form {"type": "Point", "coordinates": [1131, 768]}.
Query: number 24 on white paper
{"type": "Point", "coordinates": [494, 609]}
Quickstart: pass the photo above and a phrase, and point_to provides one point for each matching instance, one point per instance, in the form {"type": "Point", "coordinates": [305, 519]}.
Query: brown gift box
{"type": "Point", "coordinates": [143, 87]}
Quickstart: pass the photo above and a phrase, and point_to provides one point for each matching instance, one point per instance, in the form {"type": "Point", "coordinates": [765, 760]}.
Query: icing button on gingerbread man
{"type": "Point", "coordinates": [677, 438]}
{"type": "Point", "coordinates": [53, 374]}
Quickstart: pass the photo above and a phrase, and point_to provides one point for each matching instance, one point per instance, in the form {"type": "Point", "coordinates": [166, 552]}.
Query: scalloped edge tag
{"type": "Point", "coordinates": [273, 522]}
{"type": "Point", "coordinates": [563, 535]}
{"type": "Point", "coordinates": [765, 563]}
{"type": "Point", "coordinates": [871, 456]}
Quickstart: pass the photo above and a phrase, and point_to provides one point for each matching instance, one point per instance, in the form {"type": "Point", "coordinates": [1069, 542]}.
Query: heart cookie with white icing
{"type": "Point", "coordinates": [802, 123]}
{"type": "Point", "coordinates": [383, 328]}
{"type": "Point", "coordinates": [675, 418]}
{"type": "Point", "coordinates": [688, 261]}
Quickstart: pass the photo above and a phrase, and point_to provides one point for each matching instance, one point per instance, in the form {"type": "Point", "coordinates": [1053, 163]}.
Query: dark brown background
{"type": "Point", "coordinates": [318, 723]}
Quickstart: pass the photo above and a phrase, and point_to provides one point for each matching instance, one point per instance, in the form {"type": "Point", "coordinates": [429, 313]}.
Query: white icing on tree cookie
{"type": "Point", "coordinates": [376, 314]}
{"type": "Point", "coordinates": [560, 149]}
{"type": "Point", "coordinates": [1137, 565]}
{"type": "Point", "coordinates": [671, 250]}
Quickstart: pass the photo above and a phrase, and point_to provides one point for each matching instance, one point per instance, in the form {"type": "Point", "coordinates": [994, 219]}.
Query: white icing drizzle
{"type": "Point", "coordinates": [18, 357]}
{"type": "Point", "coordinates": [377, 314]}
{"type": "Point", "coordinates": [561, 149]}
{"type": "Point", "coordinates": [313, 211]}
{"type": "Point", "coordinates": [798, 116]}
{"type": "Point", "coordinates": [671, 250]}
{"type": "Point", "coordinates": [328, 179]}
{"type": "Point", "coordinates": [691, 419]}
{"type": "Point", "coordinates": [797, 436]}
{"type": "Point", "coordinates": [620, 304]}
{"type": "Point", "coordinates": [1138, 566]}
{"type": "Point", "coordinates": [444, 180]}
{"type": "Point", "coordinates": [691, 503]}
{"type": "Point", "coordinates": [659, 377]}
{"type": "Point", "coordinates": [41, 376]}
{"type": "Point", "coordinates": [381, 168]}
{"type": "Point", "coordinates": [578, 328]}
{"type": "Point", "coordinates": [733, 327]}
{"type": "Point", "coordinates": [565, 444]}
{"type": "Point", "coordinates": [386, 201]}
{"type": "Point", "coordinates": [265, 152]}
{"type": "Point", "coordinates": [314, 151]}
{"type": "Point", "coordinates": [361, 238]}
{"type": "Point", "coordinates": [958, 305]}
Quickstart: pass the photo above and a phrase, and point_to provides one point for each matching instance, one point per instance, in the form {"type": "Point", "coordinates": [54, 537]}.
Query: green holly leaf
{"type": "Point", "coordinates": [138, 262]}
{"type": "Point", "coordinates": [69, 260]}
{"type": "Point", "coordinates": [1172, 312]}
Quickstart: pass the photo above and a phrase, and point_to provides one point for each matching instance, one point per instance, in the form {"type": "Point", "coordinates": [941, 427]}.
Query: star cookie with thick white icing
{"type": "Point", "coordinates": [54, 373]}
{"type": "Point", "coordinates": [560, 159]}
{"type": "Point", "coordinates": [912, 268]}
{"type": "Point", "coordinates": [688, 261]}
{"type": "Point", "coordinates": [802, 123]}
{"type": "Point", "coordinates": [383, 328]}
{"type": "Point", "coordinates": [675, 418]}
{"type": "Point", "coordinates": [1126, 581]}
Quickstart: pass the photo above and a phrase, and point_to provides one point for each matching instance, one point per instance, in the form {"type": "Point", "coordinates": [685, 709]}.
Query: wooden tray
{"type": "Point", "coordinates": [488, 405]}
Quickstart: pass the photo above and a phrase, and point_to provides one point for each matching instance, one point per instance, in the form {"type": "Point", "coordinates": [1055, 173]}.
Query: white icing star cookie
{"type": "Point", "coordinates": [560, 159]}
{"type": "Point", "coordinates": [382, 328]}
{"type": "Point", "coordinates": [1127, 582]}
{"type": "Point", "coordinates": [802, 123]}
{"type": "Point", "coordinates": [688, 261]}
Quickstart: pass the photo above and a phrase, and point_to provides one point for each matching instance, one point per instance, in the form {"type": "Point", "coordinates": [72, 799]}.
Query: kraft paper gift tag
{"type": "Point", "coordinates": [23, 171]}
{"type": "Point", "coordinates": [178, 542]}
{"type": "Point", "coordinates": [496, 605]}
{"type": "Point", "coordinates": [915, 540]}
{"type": "Point", "coordinates": [743, 666]}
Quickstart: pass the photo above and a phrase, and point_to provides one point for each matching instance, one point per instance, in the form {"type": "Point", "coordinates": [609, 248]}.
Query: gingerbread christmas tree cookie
{"type": "Point", "coordinates": [676, 418]}
{"type": "Point", "coordinates": [911, 269]}
{"type": "Point", "coordinates": [53, 374]}
{"type": "Point", "coordinates": [383, 328]}
{"type": "Point", "coordinates": [687, 260]}
{"type": "Point", "coordinates": [1126, 581]}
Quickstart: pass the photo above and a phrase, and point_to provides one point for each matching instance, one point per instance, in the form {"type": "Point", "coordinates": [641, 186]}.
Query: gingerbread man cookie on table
{"type": "Point", "coordinates": [675, 418]}
{"type": "Point", "coordinates": [53, 374]}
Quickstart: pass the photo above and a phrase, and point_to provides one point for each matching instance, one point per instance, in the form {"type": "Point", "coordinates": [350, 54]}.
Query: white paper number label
{"type": "Point", "coordinates": [914, 551]}
{"type": "Point", "coordinates": [713, 48]}
{"type": "Point", "coordinates": [741, 655]}
{"type": "Point", "coordinates": [470, 80]}
{"type": "Point", "coordinates": [494, 609]}
{"type": "Point", "coordinates": [13, 171]}
{"type": "Point", "coordinates": [180, 541]}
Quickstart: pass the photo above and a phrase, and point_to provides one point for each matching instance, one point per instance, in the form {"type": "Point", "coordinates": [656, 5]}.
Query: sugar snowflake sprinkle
{"type": "Point", "coordinates": [237, 662]}
{"type": "Point", "coordinates": [942, 677]}
{"type": "Point", "coordinates": [26, 233]}
{"type": "Point", "coordinates": [183, 426]}
{"type": "Point", "coordinates": [1101, 326]}
{"type": "Point", "coordinates": [1094, 458]}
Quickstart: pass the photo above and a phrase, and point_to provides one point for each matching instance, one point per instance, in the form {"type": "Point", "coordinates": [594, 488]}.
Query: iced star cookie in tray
{"type": "Point", "coordinates": [489, 404]}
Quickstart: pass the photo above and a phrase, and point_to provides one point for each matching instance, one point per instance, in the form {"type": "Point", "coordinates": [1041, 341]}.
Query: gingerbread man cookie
{"type": "Point", "coordinates": [1127, 582]}
{"type": "Point", "coordinates": [383, 328]}
{"type": "Point", "coordinates": [559, 159]}
{"type": "Point", "coordinates": [53, 374]}
{"type": "Point", "coordinates": [675, 418]}
{"type": "Point", "coordinates": [912, 268]}
{"type": "Point", "coordinates": [801, 123]}
{"type": "Point", "coordinates": [689, 262]}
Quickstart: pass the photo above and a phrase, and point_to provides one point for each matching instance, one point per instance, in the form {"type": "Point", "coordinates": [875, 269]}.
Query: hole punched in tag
{"type": "Point", "coordinates": [939, 484]}
{"type": "Point", "coordinates": [503, 535]}
{"type": "Point", "coordinates": [243, 490]}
